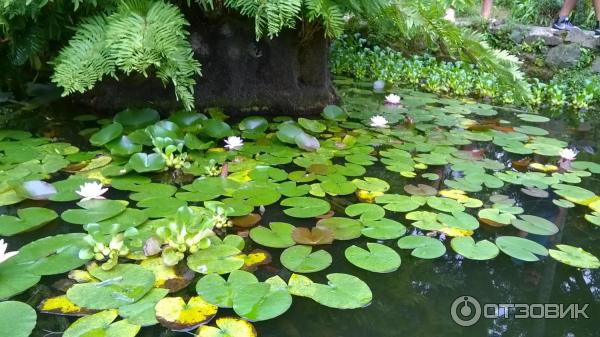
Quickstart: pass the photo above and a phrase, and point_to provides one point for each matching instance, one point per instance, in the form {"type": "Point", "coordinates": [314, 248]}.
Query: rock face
{"type": "Point", "coordinates": [564, 56]}
{"type": "Point", "coordinates": [286, 75]}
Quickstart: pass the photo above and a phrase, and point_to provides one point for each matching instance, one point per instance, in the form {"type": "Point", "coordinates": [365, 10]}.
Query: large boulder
{"type": "Point", "coordinates": [564, 56]}
{"type": "Point", "coordinates": [285, 75]}
{"type": "Point", "coordinates": [545, 34]}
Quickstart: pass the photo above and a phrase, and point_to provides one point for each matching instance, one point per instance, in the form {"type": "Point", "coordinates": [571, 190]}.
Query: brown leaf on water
{"type": "Point", "coordinates": [312, 237]}
{"type": "Point", "coordinates": [522, 164]}
{"type": "Point", "coordinates": [246, 221]}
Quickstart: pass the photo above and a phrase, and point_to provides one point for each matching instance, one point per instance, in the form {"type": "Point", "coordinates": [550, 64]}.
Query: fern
{"type": "Point", "coordinates": [330, 14]}
{"type": "Point", "coordinates": [140, 36]}
{"type": "Point", "coordinates": [270, 16]}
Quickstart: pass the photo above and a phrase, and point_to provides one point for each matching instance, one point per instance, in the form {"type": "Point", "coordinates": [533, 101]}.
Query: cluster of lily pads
{"type": "Point", "coordinates": [169, 223]}
{"type": "Point", "coordinates": [353, 56]}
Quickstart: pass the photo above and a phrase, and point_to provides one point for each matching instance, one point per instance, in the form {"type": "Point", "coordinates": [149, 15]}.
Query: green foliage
{"type": "Point", "coordinates": [140, 35]}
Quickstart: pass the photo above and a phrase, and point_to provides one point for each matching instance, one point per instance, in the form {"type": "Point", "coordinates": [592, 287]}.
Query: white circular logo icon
{"type": "Point", "coordinates": [465, 311]}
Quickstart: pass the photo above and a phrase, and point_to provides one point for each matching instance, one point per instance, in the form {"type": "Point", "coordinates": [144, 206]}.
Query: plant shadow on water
{"type": "Point", "coordinates": [416, 299]}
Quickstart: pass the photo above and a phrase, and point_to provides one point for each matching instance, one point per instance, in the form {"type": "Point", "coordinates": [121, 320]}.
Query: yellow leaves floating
{"type": "Point", "coordinates": [228, 327]}
{"type": "Point", "coordinates": [462, 197]}
{"type": "Point", "coordinates": [543, 168]}
{"type": "Point", "coordinates": [256, 258]}
{"type": "Point", "coordinates": [367, 196]}
{"type": "Point", "coordinates": [61, 305]}
{"type": "Point", "coordinates": [175, 314]}
{"type": "Point", "coordinates": [173, 278]}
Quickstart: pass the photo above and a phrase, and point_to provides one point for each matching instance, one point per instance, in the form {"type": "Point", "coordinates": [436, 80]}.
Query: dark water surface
{"type": "Point", "coordinates": [416, 299]}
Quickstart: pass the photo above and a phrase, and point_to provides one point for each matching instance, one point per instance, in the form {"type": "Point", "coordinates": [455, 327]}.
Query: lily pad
{"type": "Point", "coordinates": [535, 225]}
{"type": "Point", "coordinates": [61, 305]}
{"type": "Point", "coordinates": [343, 291]}
{"type": "Point", "coordinates": [28, 219]}
{"type": "Point", "coordinates": [261, 301]}
{"type": "Point", "coordinates": [383, 229]}
{"type": "Point", "coordinates": [122, 285]}
{"type": "Point", "coordinates": [17, 319]}
{"type": "Point", "coordinates": [137, 118]}
{"type": "Point", "coordinates": [467, 247]}
{"type": "Point", "coordinates": [342, 228]}
{"type": "Point", "coordinates": [142, 312]}
{"type": "Point", "coordinates": [220, 259]}
{"type": "Point", "coordinates": [143, 162]}
{"type": "Point", "coordinates": [228, 327]}
{"type": "Point", "coordinates": [278, 236]}
{"type": "Point", "coordinates": [94, 211]}
{"type": "Point", "coordinates": [423, 247]}
{"type": "Point", "coordinates": [172, 278]}
{"type": "Point", "coordinates": [378, 258]}
{"type": "Point", "coordinates": [100, 324]}
{"type": "Point", "coordinates": [305, 207]}
{"type": "Point", "coordinates": [521, 248]}
{"type": "Point", "coordinates": [301, 259]}
{"type": "Point", "coordinates": [574, 256]}
{"type": "Point", "coordinates": [214, 289]}
{"type": "Point", "coordinates": [175, 314]}
{"type": "Point", "coordinates": [312, 236]}
{"type": "Point", "coordinates": [367, 212]}
{"type": "Point", "coordinates": [106, 134]}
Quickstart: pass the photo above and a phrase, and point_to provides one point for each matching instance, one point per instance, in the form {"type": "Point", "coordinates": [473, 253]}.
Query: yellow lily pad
{"type": "Point", "coordinates": [367, 196]}
{"type": "Point", "coordinates": [228, 327]}
{"type": "Point", "coordinates": [543, 168]}
{"type": "Point", "coordinates": [175, 314]}
{"type": "Point", "coordinates": [61, 305]}
{"type": "Point", "coordinates": [454, 232]}
{"type": "Point", "coordinates": [256, 258]}
{"type": "Point", "coordinates": [173, 278]}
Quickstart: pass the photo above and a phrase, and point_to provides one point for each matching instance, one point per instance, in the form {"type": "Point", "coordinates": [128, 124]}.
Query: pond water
{"type": "Point", "coordinates": [416, 299]}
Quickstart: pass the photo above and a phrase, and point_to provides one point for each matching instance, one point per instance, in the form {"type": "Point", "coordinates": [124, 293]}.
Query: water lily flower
{"type": "Point", "coordinates": [393, 99]}
{"type": "Point", "coordinates": [234, 143]}
{"type": "Point", "coordinates": [91, 191]}
{"type": "Point", "coordinates": [4, 255]}
{"type": "Point", "coordinates": [568, 154]}
{"type": "Point", "coordinates": [379, 121]}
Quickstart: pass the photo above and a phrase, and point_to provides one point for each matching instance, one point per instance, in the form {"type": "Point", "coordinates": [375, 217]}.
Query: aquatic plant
{"type": "Point", "coordinates": [458, 178]}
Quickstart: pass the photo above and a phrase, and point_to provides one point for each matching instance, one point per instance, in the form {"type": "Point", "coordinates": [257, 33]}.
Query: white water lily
{"type": "Point", "coordinates": [393, 99]}
{"type": "Point", "coordinates": [4, 255]}
{"type": "Point", "coordinates": [234, 143]}
{"type": "Point", "coordinates": [379, 122]}
{"type": "Point", "coordinates": [91, 191]}
{"type": "Point", "coordinates": [568, 154]}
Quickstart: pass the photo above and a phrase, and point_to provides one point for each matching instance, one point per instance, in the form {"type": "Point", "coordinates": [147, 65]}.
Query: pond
{"type": "Point", "coordinates": [441, 170]}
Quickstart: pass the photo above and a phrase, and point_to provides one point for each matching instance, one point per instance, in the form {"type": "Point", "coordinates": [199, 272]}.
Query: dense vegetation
{"type": "Point", "coordinates": [112, 38]}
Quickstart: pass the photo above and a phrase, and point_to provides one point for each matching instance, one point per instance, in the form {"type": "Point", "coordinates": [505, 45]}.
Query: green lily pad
{"type": "Point", "coordinates": [123, 285]}
{"type": "Point", "coordinates": [467, 247]}
{"type": "Point", "coordinates": [14, 280]}
{"type": "Point", "coordinates": [521, 248]}
{"type": "Point", "coordinates": [216, 129]}
{"type": "Point", "coordinates": [94, 211]}
{"type": "Point", "coordinates": [278, 236]}
{"type": "Point", "coordinates": [137, 118]}
{"type": "Point", "coordinates": [143, 162]}
{"type": "Point", "coordinates": [334, 113]}
{"type": "Point", "coordinates": [445, 205]}
{"type": "Point", "coordinates": [123, 146]}
{"type": "Point", "coordinates": [28, 219]}
{"type": "Point", "coordinates": [100, 324]}
{"type": "Point", "coordinates": [142, 312]}
{"type": "Point", "coordinates": [106, 134]}
{"type": "Point", "coordinates": [367, 212]}
{"type": "Point", "coordinates": [214, 289]}
{"type": "Point", "coordinates": [343, 291]}
{"type": "Point", "coordinates": [574, 256]}
{"type": "Point", "coordinates": [533, 118]}
{"type": "Point", "coordinates": [17, 319]}
{"type": "Point", "coordinates": [383, 229]}
{"type": "Point", "coordinates": [257, 196]}
{"type": "Point", "coordinates": [423, 247]}
{"type": "Point", "coordinates": [305, 207]}
{"type": "Point", "coordinates": [342, 228]}
{"type": "Point", "coordinates": [535, 225]}
{"type": "Point", "coordinates": [459, 220]}
{"type": "Point", "coordinates": [371, 184]}
{"type": "Point", "coordinates": [51, 255]}
{"type": "Point", "coordinates": [378, 258]}
{"type": "Point", "coordinates": [66, 189]}
{"type": "Point", "coordinates": [261, 301]}
{"type": "Point", "coordinates": [220, 259]}
{"type": "Point", "coordinates": [301, 259]}
{"type": "Point", "coordinates": [312, 125]}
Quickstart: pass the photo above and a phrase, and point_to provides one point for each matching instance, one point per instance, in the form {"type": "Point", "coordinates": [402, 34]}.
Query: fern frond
{"type": "Point", "coordinates": [141, 36]}
{"type": "Point", "coordinates": [86, 60]}
{"type": "Point", "coordinates": [330, 14]}
{"type": "Point", "coordinates": [270, 16]}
